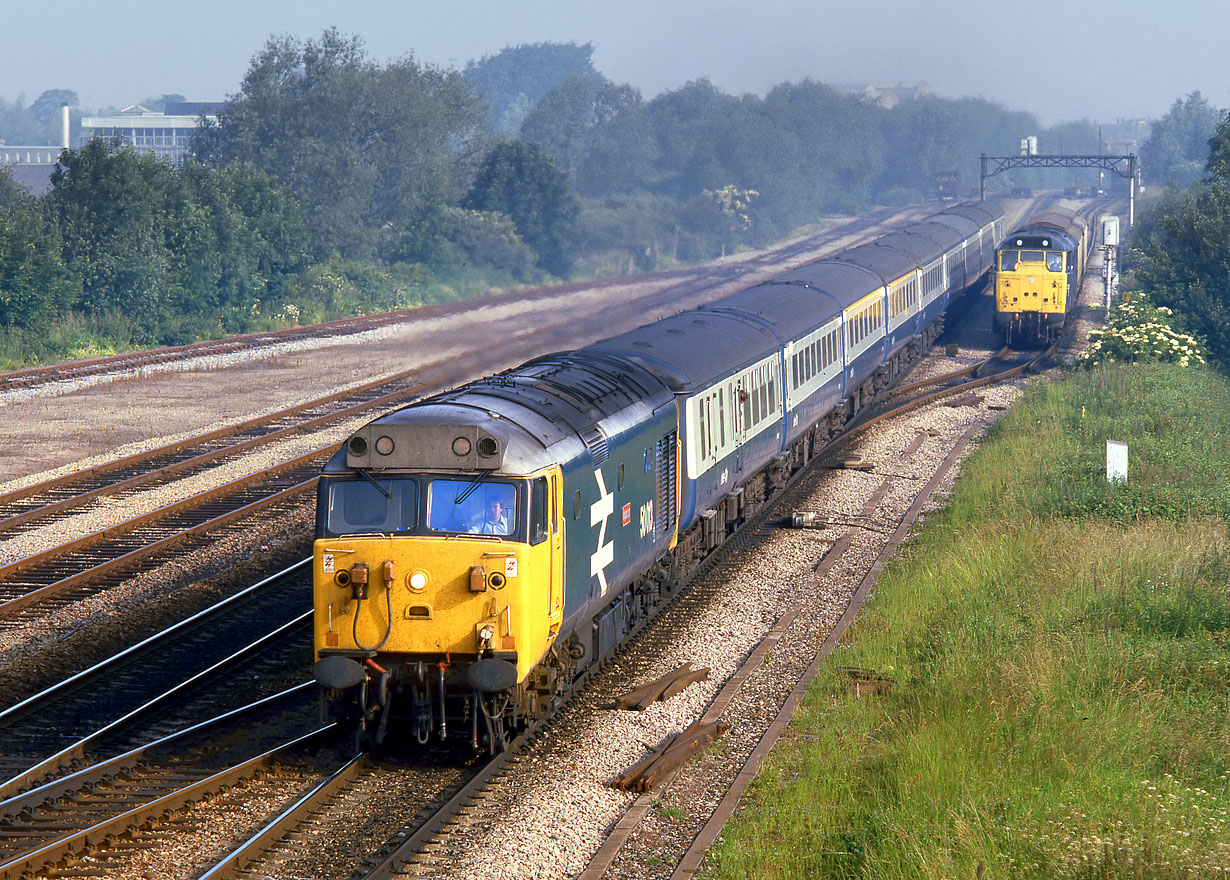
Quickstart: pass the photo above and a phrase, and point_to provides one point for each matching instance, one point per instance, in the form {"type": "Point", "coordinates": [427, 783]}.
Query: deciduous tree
{"type": "Point", "coordinates": [519, 180]}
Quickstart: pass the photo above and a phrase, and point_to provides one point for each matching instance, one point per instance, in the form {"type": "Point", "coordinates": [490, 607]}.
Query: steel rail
{"type": "Point", "coordinates": [131, 558]}
{"type": "Point", "coordinates": [256, 846]}
{"type": "Point", "coordinates": [72, 754]}
{"type": "Point", "coordinates": [71, 842]}
{"type": "Point", "coordinates": [12, 803]}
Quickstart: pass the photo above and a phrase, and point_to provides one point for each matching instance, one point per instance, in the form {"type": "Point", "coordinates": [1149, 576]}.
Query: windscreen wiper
{"type": "Point", "coordinates": [469, 490]}
{"type": "Point", "coordinates": [365, 475]}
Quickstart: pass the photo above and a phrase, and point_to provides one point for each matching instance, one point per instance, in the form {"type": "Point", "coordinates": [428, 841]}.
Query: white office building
{"type": "Point", "coordinates": [166, 135]}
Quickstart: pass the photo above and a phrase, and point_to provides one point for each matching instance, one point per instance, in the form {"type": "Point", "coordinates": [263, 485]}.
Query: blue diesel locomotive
{"type": "Point", "coordinates": [478, 550]}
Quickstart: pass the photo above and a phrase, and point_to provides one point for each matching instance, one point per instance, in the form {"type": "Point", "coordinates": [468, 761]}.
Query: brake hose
{"type": "Point", "coordinates": [354, 628]}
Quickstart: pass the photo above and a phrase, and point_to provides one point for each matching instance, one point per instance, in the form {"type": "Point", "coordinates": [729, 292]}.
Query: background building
{"type": "Point", "coordinates": [166, 135]}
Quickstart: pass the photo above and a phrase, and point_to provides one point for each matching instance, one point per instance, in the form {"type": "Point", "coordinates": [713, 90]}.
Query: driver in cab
{"type": "Point", "coordinates": [495, 519]}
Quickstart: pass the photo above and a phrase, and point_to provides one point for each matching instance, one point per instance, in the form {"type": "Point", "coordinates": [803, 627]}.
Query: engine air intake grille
{"type": "Point", "coordinates": [598, 447]}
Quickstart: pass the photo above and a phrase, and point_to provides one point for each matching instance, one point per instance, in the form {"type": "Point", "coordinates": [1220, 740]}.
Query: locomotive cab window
{"type": "Point", "coordinates": [540, 511]}
{"type": "Point", "coordinates": [464, 507]}
{"type": "Point", "coordinates": [359, 506]}
{"type": "Point", "coordinates": [1008, 260]}
{"type": "Point", "coordinates": [1054, 261]}
{"type": "Point", "coordinates": [1031, 256]}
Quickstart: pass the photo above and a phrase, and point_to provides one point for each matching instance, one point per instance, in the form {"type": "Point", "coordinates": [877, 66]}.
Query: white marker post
{"type": "Point", "coordinates": [1116, 462]}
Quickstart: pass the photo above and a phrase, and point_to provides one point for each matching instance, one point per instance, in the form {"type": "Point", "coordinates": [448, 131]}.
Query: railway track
{"type": "Point", "coordinates": [422, 846]}
{"type": "Point", "coordinates": [402, 855]}
{"type": "Point", "coordinates": [170, 680]}
{"type": "Point", "coordinates": [71, 571]}
{"type": "Point", "coordinates": [87, 824]}
{"type": "Point", "coordinates": [51, 500]}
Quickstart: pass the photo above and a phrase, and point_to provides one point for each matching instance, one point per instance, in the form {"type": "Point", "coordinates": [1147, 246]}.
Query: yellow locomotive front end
{"type": "Point", "coordinates": [437, 596]}
{"type": "Point", "coordinates": [1031, 281]}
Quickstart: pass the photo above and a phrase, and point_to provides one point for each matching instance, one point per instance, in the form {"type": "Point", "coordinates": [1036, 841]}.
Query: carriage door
{"type": "Point", "coordinates": [738, 425]}
{"type": "Point", "coordinates": [557, 547]}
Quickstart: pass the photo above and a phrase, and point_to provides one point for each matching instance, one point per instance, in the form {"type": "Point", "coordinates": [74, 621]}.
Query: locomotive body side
{"type": "Point", "coordinates": [724, 369]}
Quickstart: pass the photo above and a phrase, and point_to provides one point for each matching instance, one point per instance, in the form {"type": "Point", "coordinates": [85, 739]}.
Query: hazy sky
{"type": "Point", "coordinates": [1101, 59]}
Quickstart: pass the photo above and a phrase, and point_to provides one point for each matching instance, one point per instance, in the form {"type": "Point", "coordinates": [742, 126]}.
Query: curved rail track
{"type": "Point", "coordinates": [79, 568]}
{"type": "Point", "coordinates": [409, 843]}
{"type": "Point", "coordinates": [417, 845]}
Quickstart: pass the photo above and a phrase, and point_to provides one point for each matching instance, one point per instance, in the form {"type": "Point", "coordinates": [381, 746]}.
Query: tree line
{"type": "Point", "coordinates": [1180, 253]}
{"type": "Point", "coordinates": [332, 184]}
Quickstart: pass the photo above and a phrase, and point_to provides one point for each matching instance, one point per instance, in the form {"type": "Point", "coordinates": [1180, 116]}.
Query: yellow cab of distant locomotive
{"type": "Point", "coordinates": [451, 595]}
{"type": "Point", "coordinates": [1031, 280]}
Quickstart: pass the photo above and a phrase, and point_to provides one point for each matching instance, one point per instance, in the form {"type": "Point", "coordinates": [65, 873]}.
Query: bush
{"type": "Point", "coordinates": [1137, 331]}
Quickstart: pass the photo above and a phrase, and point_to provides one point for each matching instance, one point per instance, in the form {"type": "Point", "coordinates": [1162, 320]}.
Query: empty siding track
{"type": "Point", "coordinates": [46, 501]}
{"type": "Point", "coordinates": [670, 284]}
{"type": "Point", "coordinates": [92, 822]}
{"type": "Point", "coordinates": [173, 679]}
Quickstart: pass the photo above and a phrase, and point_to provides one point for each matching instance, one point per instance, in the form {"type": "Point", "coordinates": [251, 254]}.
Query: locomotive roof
{"type": "Point", "coordinates": [1053, 220]}
{"type": "Point", "coordinates": [680, 349]}
{"type": "Point", "coordinates": [571, 398]}
{"type": "Point", "coordinates": [846, 282]}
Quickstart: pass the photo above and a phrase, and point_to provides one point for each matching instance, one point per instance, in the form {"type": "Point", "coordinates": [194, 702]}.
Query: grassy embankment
{"type": "Point", "coordinates": [1061, 654]}
{"type": "Point", "coordinates": [321, 295]}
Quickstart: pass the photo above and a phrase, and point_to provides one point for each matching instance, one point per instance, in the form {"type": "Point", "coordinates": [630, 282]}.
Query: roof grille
{"type": "Point", "coordinates": [598, 448]}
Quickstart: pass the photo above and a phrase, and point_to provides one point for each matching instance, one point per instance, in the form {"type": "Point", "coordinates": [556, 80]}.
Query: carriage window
{"type": "Point", "coordinates": [701, 446]}
{"type": "Point", "coordinates": [722, 416]}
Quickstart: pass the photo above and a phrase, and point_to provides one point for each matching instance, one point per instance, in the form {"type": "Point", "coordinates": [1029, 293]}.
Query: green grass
{"type": "Point", "coordinates": [1061, 651]}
